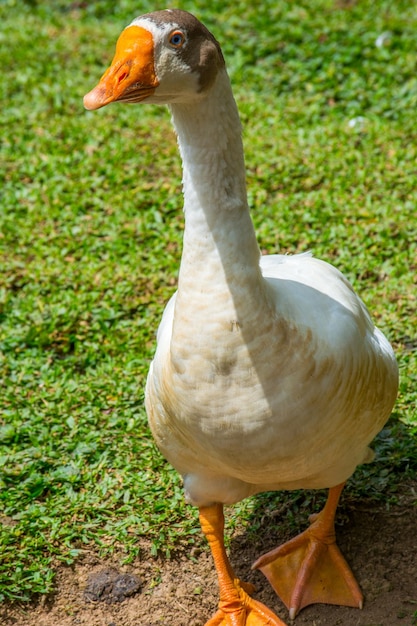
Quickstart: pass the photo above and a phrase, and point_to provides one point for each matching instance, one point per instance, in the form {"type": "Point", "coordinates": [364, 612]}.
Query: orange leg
{"type": "Point", "coordinates": [236, 607]}
{"type": "Point", "coordinates": [310, 568]}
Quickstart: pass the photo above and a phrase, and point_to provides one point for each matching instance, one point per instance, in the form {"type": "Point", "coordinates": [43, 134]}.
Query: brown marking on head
{"type": "Point", "coordinates": [201, 52]}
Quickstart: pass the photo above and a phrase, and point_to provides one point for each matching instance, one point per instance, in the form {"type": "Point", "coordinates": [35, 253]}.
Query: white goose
{"type": "Point", "coordinates": [269, 373]}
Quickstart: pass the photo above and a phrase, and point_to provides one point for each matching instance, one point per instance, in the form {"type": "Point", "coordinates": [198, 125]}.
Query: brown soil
{"type": "Point", "coordinates": [378, 541]}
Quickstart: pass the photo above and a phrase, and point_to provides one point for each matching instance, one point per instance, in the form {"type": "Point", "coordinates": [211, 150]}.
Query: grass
{"type": "Point", "coordinates": [90, 242]}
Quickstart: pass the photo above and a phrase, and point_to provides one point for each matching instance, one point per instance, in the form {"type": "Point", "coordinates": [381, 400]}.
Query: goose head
{"type": "Point", "coordinates": [164, 57]}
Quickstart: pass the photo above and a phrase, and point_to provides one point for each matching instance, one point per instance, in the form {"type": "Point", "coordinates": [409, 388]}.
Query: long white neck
{"type": "Point", "coordinates": [220, 251]}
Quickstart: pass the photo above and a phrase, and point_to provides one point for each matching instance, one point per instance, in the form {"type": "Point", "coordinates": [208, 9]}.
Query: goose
{"type": "Point", "coordinates": [268, 372]}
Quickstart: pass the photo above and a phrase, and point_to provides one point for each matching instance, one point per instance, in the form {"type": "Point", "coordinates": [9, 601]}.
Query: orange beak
{"type": "Point", "coordinates": [131, 75]}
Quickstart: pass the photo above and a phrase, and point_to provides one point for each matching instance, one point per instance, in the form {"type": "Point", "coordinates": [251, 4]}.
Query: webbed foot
{"type": "Point", "coordinates": [310, 568]}
{"type": "Point", "coordinates": [236, 607]}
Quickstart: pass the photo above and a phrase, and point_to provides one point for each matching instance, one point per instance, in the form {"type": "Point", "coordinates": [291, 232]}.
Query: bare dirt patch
{"type": "Point", "coordinates": [379, 542]}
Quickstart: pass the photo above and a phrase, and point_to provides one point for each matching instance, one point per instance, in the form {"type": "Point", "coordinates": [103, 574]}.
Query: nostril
{"type": "Point", "coordinates": [122, 76]}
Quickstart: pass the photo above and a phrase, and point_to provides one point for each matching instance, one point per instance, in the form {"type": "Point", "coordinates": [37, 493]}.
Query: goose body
{"type": "Point", "coordinates": [257, 401]}
{"type": "Point", "coordinates": [269, 372]}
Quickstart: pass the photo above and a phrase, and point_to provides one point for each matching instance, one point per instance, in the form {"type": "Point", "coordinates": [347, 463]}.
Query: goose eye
{"type": "Point", "coordinates": [177, 39]}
